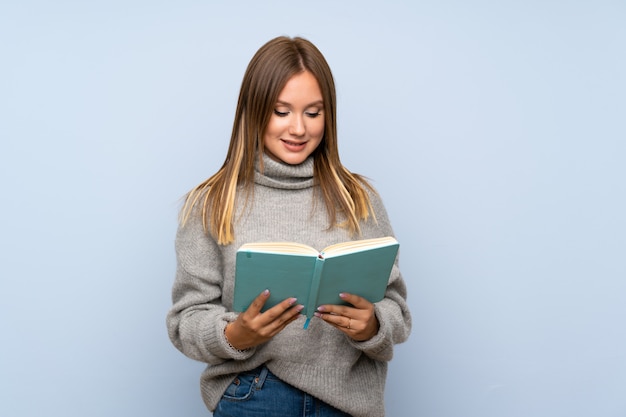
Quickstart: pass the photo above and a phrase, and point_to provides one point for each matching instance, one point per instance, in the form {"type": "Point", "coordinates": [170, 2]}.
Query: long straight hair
{"type": "Point", "coordinates": [345, 194]}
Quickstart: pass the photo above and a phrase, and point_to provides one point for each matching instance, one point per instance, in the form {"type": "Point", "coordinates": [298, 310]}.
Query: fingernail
{"type": "Point", "coordinates": [342, 295]}
{"type": "Point", "coordinates": [292, 301]}
{"type": "Point", "coordinates": [300, 307]}
{"type": "Point", "coordinates": [320, 308]}
{"type": "Point", "coordinates": [266, 292]}
{"type": "Point", "coordinates": [316, 314]}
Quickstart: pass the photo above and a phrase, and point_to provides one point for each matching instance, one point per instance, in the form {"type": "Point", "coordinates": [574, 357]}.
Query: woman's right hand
{"type": "Point", "coordinates": [253, 327]}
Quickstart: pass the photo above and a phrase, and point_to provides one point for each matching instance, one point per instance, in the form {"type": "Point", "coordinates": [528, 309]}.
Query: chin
{"type": "Point", "coordinates": [294, 160]}
{"type": "Point", "coordinates": [288, 158]}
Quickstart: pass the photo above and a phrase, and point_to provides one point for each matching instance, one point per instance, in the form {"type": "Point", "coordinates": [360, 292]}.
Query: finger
{"type": "Point", "coordinates": [292, 314]}
{"type": "Point", "coordinates": [281, 307]}
{"type": "Point", "coordinates": [271, 325]}
{"type": "Point", "coordinates": [258, 303]}
{"type": "Point", "coordinates": [341, 322]}
{"type": "Point", "coordinates": [355, 300]}
{"type": "Point", "coordinates": [335, 310]}
{"type": "Point", "coordinates": [289, 315]}
{"type": "Point", "coordinates": [281, 314]}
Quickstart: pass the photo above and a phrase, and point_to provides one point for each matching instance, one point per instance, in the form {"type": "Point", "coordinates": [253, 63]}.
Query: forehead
{"type": "Point", "coordinates": [301, 87]}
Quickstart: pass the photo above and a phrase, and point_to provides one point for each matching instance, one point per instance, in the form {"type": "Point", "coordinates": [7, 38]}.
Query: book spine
{"type": "Point", "coordinates": [315, 286]}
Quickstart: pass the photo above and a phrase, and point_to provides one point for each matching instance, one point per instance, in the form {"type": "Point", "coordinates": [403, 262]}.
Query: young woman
{"type": "Point", "coordinates": [282, 180]}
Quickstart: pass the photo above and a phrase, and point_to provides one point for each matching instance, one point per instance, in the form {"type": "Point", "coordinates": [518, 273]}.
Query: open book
{"type": "Point", "coordinates": [287, 269]}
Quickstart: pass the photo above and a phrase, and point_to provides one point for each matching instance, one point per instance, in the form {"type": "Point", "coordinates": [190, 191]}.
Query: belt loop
{"type": "Point", "coordinates": [261, 377]}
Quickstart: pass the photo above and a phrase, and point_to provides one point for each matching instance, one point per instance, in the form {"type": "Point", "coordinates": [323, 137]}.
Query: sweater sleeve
{"type": "Point", "coordinates": [392, 311]}
{"type": "Point", "coordinates": [197, 318]}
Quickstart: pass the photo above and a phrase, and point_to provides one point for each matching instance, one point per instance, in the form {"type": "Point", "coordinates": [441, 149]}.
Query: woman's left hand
{"type": "Point", "coordinates": [357, 321]}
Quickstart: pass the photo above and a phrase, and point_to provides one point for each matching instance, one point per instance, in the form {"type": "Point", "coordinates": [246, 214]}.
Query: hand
{"type": "Point", "coordinates": [253, 327]}
{"type": "Point", "coordinates": [358, 322]}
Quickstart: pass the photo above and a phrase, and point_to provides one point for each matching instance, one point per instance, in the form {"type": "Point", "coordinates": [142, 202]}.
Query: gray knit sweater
{"type": "Point", "coordinates": [320, 360]}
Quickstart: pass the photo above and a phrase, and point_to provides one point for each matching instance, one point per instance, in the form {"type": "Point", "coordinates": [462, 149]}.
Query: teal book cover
{"type": "Point", "coordinates": [286, 269]}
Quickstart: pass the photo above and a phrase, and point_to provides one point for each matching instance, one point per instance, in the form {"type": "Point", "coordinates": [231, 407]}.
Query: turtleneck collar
{"type": "Point", "coordinates": [280, 175]}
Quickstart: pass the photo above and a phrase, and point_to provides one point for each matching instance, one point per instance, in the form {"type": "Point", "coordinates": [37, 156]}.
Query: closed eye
{"type": "Point", "coordinates": [312, 114]}
{"type": "Point", "coordinates": [281, 113]}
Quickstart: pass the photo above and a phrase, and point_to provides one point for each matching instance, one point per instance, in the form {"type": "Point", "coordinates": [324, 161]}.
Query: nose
{"type": "Point", "coordinates": [296, 125]}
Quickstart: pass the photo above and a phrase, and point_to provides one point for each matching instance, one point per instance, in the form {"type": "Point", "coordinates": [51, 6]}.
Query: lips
{"type": "Point", "coordinates": [292, 145]}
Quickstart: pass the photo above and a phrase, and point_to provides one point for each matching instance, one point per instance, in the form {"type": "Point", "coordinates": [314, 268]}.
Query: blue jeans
{"type": "Point", "coordinates": [259, 393]}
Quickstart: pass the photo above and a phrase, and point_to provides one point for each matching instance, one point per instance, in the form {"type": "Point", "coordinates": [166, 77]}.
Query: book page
{"type": "Point", "coordinates": [280, 247]}
{"type": "Point", "coordinates": [357, 246]}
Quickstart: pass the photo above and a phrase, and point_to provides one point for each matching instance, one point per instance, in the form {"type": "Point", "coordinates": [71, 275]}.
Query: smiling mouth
{"type": "Point", "coordinates": [293, 143]}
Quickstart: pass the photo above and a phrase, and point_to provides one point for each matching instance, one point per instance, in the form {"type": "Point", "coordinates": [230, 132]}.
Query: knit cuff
{"type": "Point", "coordinates": [379, 346]}
{"type": "Point", "coordinates": [230, 350]}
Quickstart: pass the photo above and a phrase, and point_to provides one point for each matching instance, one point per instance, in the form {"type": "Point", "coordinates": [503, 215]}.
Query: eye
{"type": "Point", "coordinates": [312, 114]}
{"type": "Point", "coordinates": [281, 113]}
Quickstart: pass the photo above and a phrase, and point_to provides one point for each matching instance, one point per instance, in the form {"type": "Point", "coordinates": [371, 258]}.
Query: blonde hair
{"type": "Point", "coordinates": [344, 193]}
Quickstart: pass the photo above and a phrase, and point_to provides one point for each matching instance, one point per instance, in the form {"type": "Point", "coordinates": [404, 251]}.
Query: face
{"type": "Point", "coordinates": [296, 126]}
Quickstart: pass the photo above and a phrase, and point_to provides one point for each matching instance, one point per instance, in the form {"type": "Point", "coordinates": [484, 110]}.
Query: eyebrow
{"type": "Point", "coordinates": [315, 103]}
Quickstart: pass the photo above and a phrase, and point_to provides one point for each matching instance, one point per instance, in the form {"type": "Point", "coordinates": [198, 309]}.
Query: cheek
{"type": "Point", "coordinates": [272, 128]}
{"type": "Point", "coordinates": [318, 129]}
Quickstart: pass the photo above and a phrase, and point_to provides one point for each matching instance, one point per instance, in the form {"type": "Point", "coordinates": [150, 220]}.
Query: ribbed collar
{"type": "Point", "coordinates": [280, 175]}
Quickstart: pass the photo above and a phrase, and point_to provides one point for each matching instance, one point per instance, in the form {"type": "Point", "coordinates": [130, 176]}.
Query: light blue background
{"type": "Point", "coordinates": [495, 131]}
